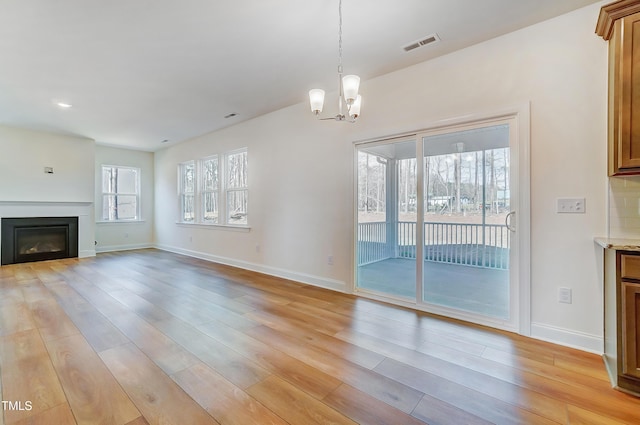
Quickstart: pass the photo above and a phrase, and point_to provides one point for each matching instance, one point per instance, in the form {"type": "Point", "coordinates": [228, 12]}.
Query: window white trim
{"type": "Point", "coordinates": [183, 193]}
{"type": "Point", "coordinates": [203, 191]}
{"type": "Point", "coordinates": [221, 192]}
{"type": "Point", "coordinates": [137, 194]}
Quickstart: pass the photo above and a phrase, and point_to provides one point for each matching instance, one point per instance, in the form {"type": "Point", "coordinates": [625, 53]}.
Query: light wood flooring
{"type": "Point", "coordinates": [149, 337]}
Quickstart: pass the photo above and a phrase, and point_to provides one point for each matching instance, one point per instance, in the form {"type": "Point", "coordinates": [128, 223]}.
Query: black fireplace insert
{"type": "Point", "coordinates": [38, 238]}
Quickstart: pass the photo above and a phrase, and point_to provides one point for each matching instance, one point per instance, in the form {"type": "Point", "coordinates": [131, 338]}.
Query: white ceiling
{"type": "Point", "coordinates": [141, 71]}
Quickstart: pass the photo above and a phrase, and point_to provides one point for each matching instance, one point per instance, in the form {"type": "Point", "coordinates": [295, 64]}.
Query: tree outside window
{"type": "Point", "coordinates": [120, 193]}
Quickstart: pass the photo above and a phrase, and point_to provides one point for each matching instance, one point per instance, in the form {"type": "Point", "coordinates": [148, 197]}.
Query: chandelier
{"type": "Point", "coordinates": [349, 84]}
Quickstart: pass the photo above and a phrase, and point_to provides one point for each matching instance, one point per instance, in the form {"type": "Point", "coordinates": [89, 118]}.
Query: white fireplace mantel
{"type": "Point", "coordinates": [83, 210]}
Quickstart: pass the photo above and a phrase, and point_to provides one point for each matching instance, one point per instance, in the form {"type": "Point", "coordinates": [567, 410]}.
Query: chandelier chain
{"type": "Point", "coordinates": [348, 88]}
{"type": "Point", "coordinates": [340, 38]}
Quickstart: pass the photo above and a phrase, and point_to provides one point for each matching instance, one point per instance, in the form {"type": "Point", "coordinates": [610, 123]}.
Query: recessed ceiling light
{"type": "Point", "coordinates": [231, 115]}
{"type": "Point", "coordinates": [165, 141]}
{"type": "Point", "coordinates": [64, 105]}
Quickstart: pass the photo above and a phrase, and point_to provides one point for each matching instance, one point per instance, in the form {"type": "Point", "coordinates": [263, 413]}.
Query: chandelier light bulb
{"type": "Point", "coordinates": [316, 99]}
{"type": "Point", "coordinates": [354, 109]}
{"type": "Point", "coordinates": [350, 85]}
{"type": "Point", "coordinates": [348, 89]}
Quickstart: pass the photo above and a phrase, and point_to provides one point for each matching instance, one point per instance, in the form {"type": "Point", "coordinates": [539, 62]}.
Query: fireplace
{"type": "Point", "coordinates": [38, 238]}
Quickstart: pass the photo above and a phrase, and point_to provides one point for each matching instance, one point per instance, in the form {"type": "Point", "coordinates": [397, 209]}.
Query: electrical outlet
{"type": "Point", "coordinates": [258, 248]}
{"type": "Point", "coordinates": [564, 295]}
{"type": "Point", "coordinates": [330, 260]}
{"type": "Point", "coordinates": [571, 205]}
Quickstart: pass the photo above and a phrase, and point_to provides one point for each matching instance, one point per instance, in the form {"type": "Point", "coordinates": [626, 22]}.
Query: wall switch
{"type": "Point", "coordinates": [571, 205]}
{"type": "Point", "coordinates": [564, 295]}
{"type": "Point", "coordinates": [330, 260]}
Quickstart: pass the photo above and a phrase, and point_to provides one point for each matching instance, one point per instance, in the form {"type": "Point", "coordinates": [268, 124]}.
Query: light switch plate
{"type": "Point", "coordinates": [571, 205]}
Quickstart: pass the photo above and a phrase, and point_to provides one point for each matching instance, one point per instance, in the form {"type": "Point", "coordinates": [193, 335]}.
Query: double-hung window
{"type": "Point", "coordinates": [120, 193]}
{"type": "Point", "coordinates": [236, 187]}
{"type": "Point", "coordinates": [210, 185]}
{"type": "Point", "coordinates": [214, 190]}
{"type": "Point", "coordinates": [187, 191]}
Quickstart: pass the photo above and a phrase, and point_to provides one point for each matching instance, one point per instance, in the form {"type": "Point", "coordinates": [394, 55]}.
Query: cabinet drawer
{"type": "Point", "coordinates": [630, 266]}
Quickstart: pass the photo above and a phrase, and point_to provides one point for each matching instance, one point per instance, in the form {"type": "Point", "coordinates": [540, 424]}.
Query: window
{"type": "Point", "coordinates": [187, 191]}
{"type": "Point", "coordinates": [210, 189]}
{"type": "Point", "coordinates": [237, 188]}
{"type": "Point", "coordinates": [120, 193]}
{"type": "Point", "coordinates": [214, 190]}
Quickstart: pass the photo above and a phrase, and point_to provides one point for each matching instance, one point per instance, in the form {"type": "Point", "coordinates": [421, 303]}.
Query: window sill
{"type": "Point", "coordinates": [101, 222]}
{"type": "Point", "coordinates": [230, 227]}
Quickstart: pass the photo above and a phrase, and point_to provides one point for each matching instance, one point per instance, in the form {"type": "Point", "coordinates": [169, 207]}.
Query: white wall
{"type": "Point", "coordinates": [25, 153]}
{"type": "Point", "coordinates": [114, 236]}
{"type": "Point", "coordinates": [25, 189]}
{"type": "Point", "coordinates": [301, 170]}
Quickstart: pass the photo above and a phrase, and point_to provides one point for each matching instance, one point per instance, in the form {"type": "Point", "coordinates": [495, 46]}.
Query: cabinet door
{"type": "Point", "coordinates": [629, 94]}
{"type": "Point", "coordinates": [631, 329]}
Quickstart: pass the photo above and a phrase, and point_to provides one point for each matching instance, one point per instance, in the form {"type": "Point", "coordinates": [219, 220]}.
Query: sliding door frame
{"type": "Point", "coordinates": [518, 117]}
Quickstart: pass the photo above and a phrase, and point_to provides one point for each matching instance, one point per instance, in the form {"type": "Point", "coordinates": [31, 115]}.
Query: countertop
{"type": "Point", "coordinates": [619, 244]}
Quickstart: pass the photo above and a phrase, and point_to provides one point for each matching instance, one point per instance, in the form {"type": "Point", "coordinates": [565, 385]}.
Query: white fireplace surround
{"type": "Point", "coordinates": [82, 210]}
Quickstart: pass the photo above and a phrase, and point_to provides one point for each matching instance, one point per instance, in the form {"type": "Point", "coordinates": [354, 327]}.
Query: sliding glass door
{"type": "Point", "coordinates": [467, 239]}
{"type": "Point", "coordinates": [436, 221]}
{"type": "Point", "coordinates": [387, 218]}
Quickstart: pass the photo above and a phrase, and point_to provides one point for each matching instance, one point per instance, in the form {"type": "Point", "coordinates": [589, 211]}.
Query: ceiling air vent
{"type": "Point", "coordinates": [429, 39]}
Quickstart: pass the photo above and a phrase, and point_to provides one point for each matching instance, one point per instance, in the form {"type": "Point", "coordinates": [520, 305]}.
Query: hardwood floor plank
{"type": "Point", "coordinates": [474, 402]}
{"type": "Point", "coordinates": [95, 327]}
{"type": "Point", "coordinates": [11, 293]}
{"type": "Point", "coordinates": [139, 421]}
{"type": "Point", "coordinates": [159, 399]}
{"type": "Point", "coordinates": [92, 392]}
{"type": "Point", "coordinates": [437, 412]}
{"type": "Point", "coordinates": [565, 375]}
{"type": "Point", "coordinates": [309, 379]}
{"type": "Point", "coordinates": [239, 370]}
{"type": "Point", "coordinates": [15, 318]}
{"type": "Point", "coordinates": [364, 409]}
{"type": "Point", "coordinates": [162, 350]}
{"type": "Point", "coordinates": [51, 320]}
{"type": "Point", "coordinates": [578, 416]}
{"type": "Point", "coordinates": [24, 272]}
{"type": "Point", "coordinates": [227, 403]}
{"type": "Point", "coordinates": [253, 348]}
{"type": "Point", "coordinates": [1, 397]}
{"type": "Point", "coordinates": [499, 380]}
{"type": "Point", "coordinates": [351, 352]}
{"type": "Point", "coordinates": [140, 306]}
{"type": "Point", "coordinates": [582, 366]}
{"type": "Point", "coordinates": [384, 389]}
{"type": "Point", "coordinates": [295, 406]}
{"type": "Point", "coordinates": [35, 291]}
{"type": "Point", "coordinates": [28, 375]}
{"type": "Point", "coordinates": [58, 415]}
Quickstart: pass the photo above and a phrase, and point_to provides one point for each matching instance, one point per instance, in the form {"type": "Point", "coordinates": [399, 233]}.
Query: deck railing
{"type": "Point", "coordinates": [456, 243]}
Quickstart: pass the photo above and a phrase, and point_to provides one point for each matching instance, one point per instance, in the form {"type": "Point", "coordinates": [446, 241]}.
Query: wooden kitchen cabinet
{"type": "Point", "coordinates": [631, 329]}
{"type": "Point", "coordinates": [619, 23]}
{"type": "Point", "coordinates": [622, 319]}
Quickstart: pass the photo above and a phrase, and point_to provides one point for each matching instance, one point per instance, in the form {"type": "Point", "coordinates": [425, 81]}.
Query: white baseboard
{"type": "Point", "coordinates": [111, 248]}
{"type": "Point", "coordinates": [568, 338]}
{"type": "Point", "coordinates": [321, 282]}
{"type": "Point", "coordinates": [86, 253]}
